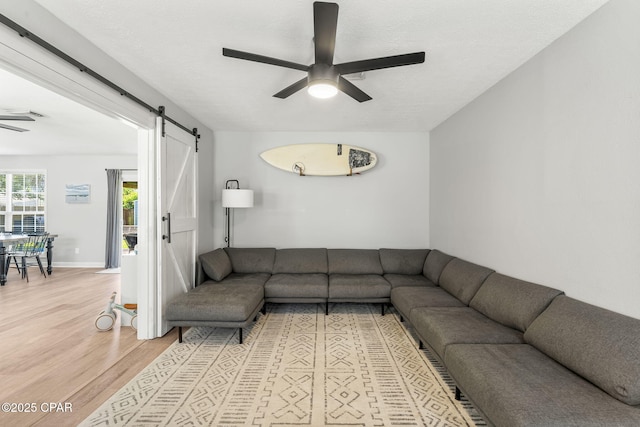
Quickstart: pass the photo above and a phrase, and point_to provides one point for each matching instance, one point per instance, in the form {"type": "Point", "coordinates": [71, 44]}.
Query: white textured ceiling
{"type": "Point", "coordinates": [176, 46]}
{"type": "Point", "coordinates": [66, 128]}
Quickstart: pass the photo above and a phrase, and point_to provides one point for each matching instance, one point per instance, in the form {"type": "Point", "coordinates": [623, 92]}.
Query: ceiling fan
{"type": "Point", "coordinates": [324, 78]}
{"type": "Point", "coordinates": [22, 116]}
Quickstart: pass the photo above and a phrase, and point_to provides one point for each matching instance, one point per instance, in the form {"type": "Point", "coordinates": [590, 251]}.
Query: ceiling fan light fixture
{"type": "Point", "coordinates": [322, 81]}
{"type": "Point", "coordinates": [322, 89]}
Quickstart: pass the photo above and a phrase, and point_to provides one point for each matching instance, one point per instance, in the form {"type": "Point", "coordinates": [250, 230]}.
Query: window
{"type": "Point", "coordinates": [22, 202]}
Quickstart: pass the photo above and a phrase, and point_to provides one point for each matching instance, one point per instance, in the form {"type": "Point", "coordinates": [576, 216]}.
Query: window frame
{"type": "Point", "coordinates": [8, 211]}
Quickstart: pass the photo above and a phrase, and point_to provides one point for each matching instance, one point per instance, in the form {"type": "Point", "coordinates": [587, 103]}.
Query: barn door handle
{"type": "Point", "coordinates": [168, 219]}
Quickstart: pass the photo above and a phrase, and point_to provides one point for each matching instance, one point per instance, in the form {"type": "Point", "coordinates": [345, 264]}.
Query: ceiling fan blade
{"type": "Point", "coordinates": [379, 63]}
{"type": "Point", "coordinates": [290, 90]}
{"type": "Point", "coordinates": [325, 23]}
{"type": "Point", "coordinates": [13, 128]}
{"type": "Point", "coordinates": [21, 118]}
{"type": "Point", "coordinates": [263, 59]}
{"type": "Point", "coordinates": [350, 89]}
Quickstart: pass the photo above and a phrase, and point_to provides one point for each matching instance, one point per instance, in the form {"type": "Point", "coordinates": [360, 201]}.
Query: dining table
{"type": "Point", "coordinates": [10, 238]}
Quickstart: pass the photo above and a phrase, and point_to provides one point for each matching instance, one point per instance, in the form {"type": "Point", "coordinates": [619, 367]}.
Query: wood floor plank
{"type": "Point", "coordinates": [50, 350]}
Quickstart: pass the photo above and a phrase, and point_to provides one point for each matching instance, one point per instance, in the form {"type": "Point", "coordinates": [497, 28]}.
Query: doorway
{"type": "Point", "coordinates": [36, 64]}
{"type": "Point", "coordinates": [80, 228]}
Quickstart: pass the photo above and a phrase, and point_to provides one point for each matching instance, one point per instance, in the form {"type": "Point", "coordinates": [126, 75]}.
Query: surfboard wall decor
{"type": "Point", "coordinates": [321, 159]}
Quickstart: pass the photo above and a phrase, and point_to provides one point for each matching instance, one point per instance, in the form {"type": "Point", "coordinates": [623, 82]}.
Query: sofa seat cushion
{"type": "Point", "coordinates": [407, 298]}
{"type": "Point", "coordinates": [295, 285]}
{"type": "Point", "coordinates": [301, 261]}
{"type": "Point", "coordinates": [358, 286]}
{"type": "Point", "coordinates": [403, 261]}
{"type": "Point", "coordinates": [220, 302]}
{"type": "Point", "coordinates": [512, 302]}
{"type": "Point", "coordinates": [601, 345]}
{"type": "Point", "coordinates": [517, 385]}
{"type": "Point", "coordinates": [440, 327]}
{"type": "Point", "coordinates": [400, 280]}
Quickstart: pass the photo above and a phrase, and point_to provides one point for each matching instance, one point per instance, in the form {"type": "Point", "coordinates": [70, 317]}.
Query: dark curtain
{"type": "Point", "coordinates": [114, 219]}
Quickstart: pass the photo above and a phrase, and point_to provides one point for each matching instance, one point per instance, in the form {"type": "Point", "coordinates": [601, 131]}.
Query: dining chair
{"type": "Point", "coordinates": [10, 251]}
{"type": "Point", "coordinates": [29, 253]}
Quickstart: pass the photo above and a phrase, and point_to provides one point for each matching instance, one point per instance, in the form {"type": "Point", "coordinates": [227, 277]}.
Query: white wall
{"type": "Point", "coordinates": [539, 178]}
{"type": "Point", "coordinates": [387, 206]}
{"type": "Point", "coordinates": [81, 226]}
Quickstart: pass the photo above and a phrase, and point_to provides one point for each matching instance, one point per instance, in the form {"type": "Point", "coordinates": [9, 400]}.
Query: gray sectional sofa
{"type": "Point", "coordinates": [523, 353]}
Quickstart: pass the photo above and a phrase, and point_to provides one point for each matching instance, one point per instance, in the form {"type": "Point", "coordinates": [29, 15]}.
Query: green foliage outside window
{"type": "Point", "coordinates": [129, 195]}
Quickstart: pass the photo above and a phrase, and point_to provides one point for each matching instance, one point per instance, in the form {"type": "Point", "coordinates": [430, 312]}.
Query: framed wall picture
{"type": "Point", "coordinates": [78, 193]}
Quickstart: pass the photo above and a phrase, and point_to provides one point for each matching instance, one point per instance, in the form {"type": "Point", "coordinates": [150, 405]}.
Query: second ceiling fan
{"type": "Point", "coordinates": [14, 117]}
{"type": "Point", "coordinates": [324, 78]}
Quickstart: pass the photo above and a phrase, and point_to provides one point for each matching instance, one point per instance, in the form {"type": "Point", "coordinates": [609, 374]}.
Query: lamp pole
{"type": "Point", "coordinates": [227, 186]}
{"type": "Point", "coordinates": [234, 197]}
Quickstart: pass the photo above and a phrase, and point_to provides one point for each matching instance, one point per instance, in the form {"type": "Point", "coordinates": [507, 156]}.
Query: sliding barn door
{"type": "Point", "coordinates": [178, 221]}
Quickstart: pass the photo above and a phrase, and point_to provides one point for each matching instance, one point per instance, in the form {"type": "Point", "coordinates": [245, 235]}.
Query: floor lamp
{"type": "Point", "coordinates": [234, 197]}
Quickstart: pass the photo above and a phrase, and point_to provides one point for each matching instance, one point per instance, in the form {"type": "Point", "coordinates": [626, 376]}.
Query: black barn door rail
{"type": "Point", "coordinates": [23, 32]}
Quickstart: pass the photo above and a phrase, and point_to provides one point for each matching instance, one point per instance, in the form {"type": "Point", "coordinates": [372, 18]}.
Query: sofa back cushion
{"type": "Point", "coordinates": [597, 344]}
{"type": "Point", "coordinates": [298, 261]}
{"type": "Point", "coordinates": [216, 264]}
{"type": "Point", "coordinates": [354, 261]}
{"type": "Point", "coordinates": [462, 279]}
{"type": "Point", "coordinates": [512, 302]}
{"type": "Point", "coordinates": [403, 261]}
{"type": "Point", "coordinates": [434, 264]}
{"type": "Point", "coordinates": [251, 260]}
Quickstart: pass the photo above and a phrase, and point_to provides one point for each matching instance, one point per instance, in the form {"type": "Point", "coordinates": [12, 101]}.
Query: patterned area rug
{"type": "Point", "coordinates": [297, 367]}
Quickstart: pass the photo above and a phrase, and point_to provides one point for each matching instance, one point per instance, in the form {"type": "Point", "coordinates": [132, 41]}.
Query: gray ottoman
{"type": "Point", "coordinates": [221, 305]}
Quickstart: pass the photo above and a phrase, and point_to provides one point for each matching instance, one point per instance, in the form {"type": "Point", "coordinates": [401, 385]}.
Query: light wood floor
{"type": "Point", "coordinates": [50, 350]}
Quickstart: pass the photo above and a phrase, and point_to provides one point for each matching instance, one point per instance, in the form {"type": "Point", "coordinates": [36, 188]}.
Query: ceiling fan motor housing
{"type": "Point", "coordinates": [323, 73]}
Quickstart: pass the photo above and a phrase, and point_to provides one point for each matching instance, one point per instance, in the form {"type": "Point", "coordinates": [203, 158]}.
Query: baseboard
{"type": "Point", "coordinates": [78, 265]}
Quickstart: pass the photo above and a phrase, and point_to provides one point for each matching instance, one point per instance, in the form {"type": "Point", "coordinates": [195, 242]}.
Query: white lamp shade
{"type": "Point", "coordinates": [237, 198]}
